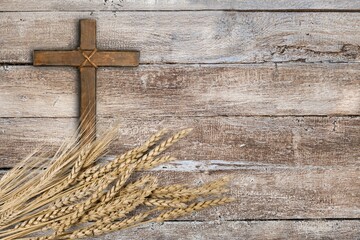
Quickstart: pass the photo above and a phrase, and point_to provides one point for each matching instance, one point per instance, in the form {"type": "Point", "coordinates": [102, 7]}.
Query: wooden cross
{"type": "Point", "coordinates": [87, 58]}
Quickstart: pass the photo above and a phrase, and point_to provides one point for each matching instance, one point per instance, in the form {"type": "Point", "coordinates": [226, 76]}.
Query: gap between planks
{"type": "Point", "coordinates": [199, 64]}
{"type": "Point", "coordinates": [271, 220]}
{"type": "Point", "coordinates": [198, 10]}
{"type": "Point", "coordinates": [209, 116]}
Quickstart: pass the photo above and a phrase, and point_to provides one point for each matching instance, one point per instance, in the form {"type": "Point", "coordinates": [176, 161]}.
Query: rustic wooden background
{"type": "Point", "coordinates": [271, 88]}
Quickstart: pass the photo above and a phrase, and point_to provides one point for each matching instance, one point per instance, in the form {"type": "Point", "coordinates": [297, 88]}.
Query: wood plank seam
{"type": "Point", "coordinates": [209, 10]}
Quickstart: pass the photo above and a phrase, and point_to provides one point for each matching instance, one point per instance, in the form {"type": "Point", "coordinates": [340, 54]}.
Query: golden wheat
{"type": "Point", "coordinates": [75, 195]}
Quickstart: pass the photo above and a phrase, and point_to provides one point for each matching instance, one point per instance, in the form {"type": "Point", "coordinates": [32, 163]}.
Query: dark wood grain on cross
{"type": "Point", "coordinates": [87, 58]}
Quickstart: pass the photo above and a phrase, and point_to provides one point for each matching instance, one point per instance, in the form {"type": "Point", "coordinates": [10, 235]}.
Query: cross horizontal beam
{"type": "Point", "coordinates": [75, 58]}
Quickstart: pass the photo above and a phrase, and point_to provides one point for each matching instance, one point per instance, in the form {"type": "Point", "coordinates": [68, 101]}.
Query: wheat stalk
{"type": "Point", "coordinates": [75, 196]}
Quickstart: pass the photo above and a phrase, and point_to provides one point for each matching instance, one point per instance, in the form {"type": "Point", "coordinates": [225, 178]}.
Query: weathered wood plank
{"type": "Point", "coordinates": [121, 5]}
{"type": "Point", "coordinates": [280, 193]}
{"type": "Point", "coordinates": [267, 230]}
{"type": "Point", "coordinates": [191, 37]}
{"type": "Point", "coordinates": [282, 89]}
{"type": "Point", "coordinates": [39, 92]}
{"type": "Point", "coordinates": [31, 133]}
{"type": "Point", "coordinates": [186, 90]}
{"type": "Point", "coordinates": [237, 229]}
{"type": "Point", "coordinates": [277, 193]}
{"type": "Point", "coordinates": [229, 143]}
{"type": "Point", "coordinates": [282, 168]}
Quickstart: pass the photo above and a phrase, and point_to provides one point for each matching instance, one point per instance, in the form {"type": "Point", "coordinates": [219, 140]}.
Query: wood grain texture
{"type": "Point", "coordinates": [122, 5]}
{"type": "Point", "coordinates": [87, 81]}
{"type": "Point", "coordinates": [87, 103]}
{"type": "Point", "coordinates": [288, 170]}
{"type": "Point", "coordinates": [270, 181]}
{"type": "Point", "coordinates": [191, 37]}
{"type": "Point", "coordinates": [30, 91]}
{"type": "Point", "coordinates": [87, 34]}
{"type": "Point", "coordinates": [278, 193]}
{"type": "Point", "coordinates": [19, 128]}
{"type": "Point", "coordinates": [186, 90]}
{"type": "Point", "coordinates": [229, 143]}
{"type": "Point", "coordinates": [75, 58]}
{"type": "Point", "coordinates": [220, 230]}
{"type": "Point", "coordinates": [208, 90]}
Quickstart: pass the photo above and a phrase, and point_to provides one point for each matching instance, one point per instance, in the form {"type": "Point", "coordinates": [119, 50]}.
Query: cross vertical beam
{"type": "Point", "coordinates": [87, 58]}
{"type": "Point", "coordinates": [88, 82]}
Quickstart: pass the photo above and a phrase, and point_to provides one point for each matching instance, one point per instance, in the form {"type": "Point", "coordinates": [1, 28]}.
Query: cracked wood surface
{"type": "Point", "coordinates": [123, 5]}
{"type": "Point", "coordinates": [192, 37]}
{"type": "Point", "coordinates": [187, 90]}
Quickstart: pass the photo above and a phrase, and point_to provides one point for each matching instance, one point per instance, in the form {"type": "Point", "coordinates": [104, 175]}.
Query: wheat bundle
{"type": "Point", "coordinates": [75, 195]}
